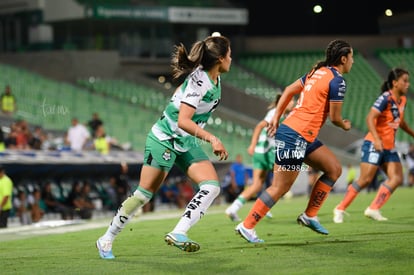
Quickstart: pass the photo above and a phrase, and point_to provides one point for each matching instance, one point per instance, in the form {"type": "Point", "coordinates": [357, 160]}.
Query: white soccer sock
{"type": "Point", "coordinates": [197, 207]}
{"type": "Point", "coordinates": [127, 210]}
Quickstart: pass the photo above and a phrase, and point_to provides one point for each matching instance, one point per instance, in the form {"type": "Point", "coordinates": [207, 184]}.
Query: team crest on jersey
{"type": "Point", "coordinates": [167, 154]}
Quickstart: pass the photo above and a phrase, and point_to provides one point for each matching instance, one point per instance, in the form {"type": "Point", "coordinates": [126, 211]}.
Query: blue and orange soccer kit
{"type": "Point", "coordinates": [386, 125]}
{"type": "Point", "coordinates": [389, 120]}
{"type": "Point", "coordinates": [296, 136]}
{"type": "Point", "coordinates": [324, 86]}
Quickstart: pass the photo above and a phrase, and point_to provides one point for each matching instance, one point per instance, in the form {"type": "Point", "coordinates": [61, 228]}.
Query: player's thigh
{"type": "Point", "coordinates": [324, 159]}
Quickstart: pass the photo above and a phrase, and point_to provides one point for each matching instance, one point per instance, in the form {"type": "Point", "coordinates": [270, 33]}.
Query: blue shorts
{"type": "Point", "coordinates": [291, 148]}
{"type": "Point", "coordinates": [370, 155]}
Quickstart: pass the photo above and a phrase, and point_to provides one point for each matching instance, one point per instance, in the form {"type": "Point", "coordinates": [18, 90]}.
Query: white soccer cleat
{"type": "Point", "coordinates": [247, 234]}
{"type": "Point", "coordinates": [338, 215]}
{"type": "Point", "coordinates": [105, 249]}
{"type": "Point", "coordinates": [374, 214]}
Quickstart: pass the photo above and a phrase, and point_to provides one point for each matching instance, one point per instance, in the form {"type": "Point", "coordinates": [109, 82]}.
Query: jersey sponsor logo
{"type": "Point", "coordinates": [320, 72]}
{"type": "Point", "coordinates": [193, 94]}
{"type": "Point", "coordinates": [395, 124]}
{"type": "Point", "coordinates": [196, 80]}
{"type": "Point", "coordinates": [195, 203]}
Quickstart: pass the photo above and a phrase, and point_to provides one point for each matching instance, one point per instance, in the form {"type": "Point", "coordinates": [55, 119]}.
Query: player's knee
{"type": "Point", "coordinates": [139, 194]}
{"type": "Point", "coordinates": [334, 171]}
{"type": "Point", "coordinates": [212, 186]}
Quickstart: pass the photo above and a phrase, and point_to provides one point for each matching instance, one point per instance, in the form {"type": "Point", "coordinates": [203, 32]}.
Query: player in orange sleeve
{"type": "Point", "coordinates": [322, 91]}
{"type": "Point", "coordinates": [378, 149]}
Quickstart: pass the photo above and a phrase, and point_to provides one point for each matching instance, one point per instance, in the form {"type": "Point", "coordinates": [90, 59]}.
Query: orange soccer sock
{"type": "Point", "coordinates": [383, 194]}
{"type": "Point", "coordinates": [350, 195]}
{"type": "Point", "coordinates": [319, 194]}
{"type": "Point", "coordinates": [257, 212]}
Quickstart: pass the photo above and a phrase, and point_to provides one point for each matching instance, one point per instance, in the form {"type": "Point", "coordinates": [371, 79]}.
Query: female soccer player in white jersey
{"type": "Point", "coordinates": [175, 139]}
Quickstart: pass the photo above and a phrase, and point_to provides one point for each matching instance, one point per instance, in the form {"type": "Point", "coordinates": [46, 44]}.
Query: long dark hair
{"type": "Point", "coordinates": [333, 53]}
{"type": "Point", "coordinates": [394, 74]}
{"type": "Point", "coordinates": [205, 53]}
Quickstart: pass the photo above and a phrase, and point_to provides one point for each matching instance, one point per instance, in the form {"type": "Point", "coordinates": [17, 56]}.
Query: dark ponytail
{"type": "Point", "coordinates": [333, 53]}
{"type": "Point", "coordinates": [394, 74]}
{"type": "Point", "coordinates": [205, 53]}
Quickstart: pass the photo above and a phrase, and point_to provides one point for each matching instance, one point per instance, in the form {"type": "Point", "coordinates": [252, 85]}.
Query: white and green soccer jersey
{"type": "Point", "coordinates": [198, 91]}
{"type": "Point", "coordinates": [265, 143]}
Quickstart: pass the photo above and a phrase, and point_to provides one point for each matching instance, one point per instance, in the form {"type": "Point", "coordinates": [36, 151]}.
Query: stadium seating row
{"type": "Point", "coordinates": [128, 110]}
